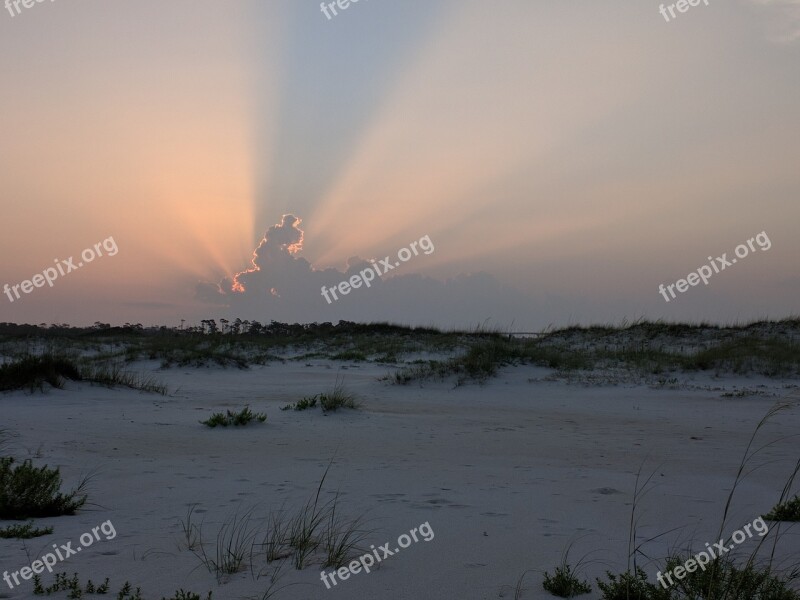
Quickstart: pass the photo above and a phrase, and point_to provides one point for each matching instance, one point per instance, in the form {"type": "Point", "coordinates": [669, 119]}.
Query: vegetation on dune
{"type": "Point", "coordinates": [642, 347]}
{"type": "Point", "coordinates": [28, 492]}
{"type": "Point", "coordinates": [724, 576]}
{"type": "Point", "coordinates": [330, 401]}
{"type": "Point", "coordinates": [645, 348]}
{"type": "Point", "coordinates": [304, 404]}
{"type": "Point", "coordinates": [785, 511]}
{"type": "Point", "coordinates": [32, 372]}
{"type": "Point", "coordinates": [564, 583]}
{"type": "Point", "coordinates": [314, 533]}
{"type": "Point", "coordinates": [23, 532]}
{"type": "Point", "coordinates": [234, 419]}
{"type": "Point", "coordinates": [75, 589]}
{"type": "Point", "coordinates": [337, 398]}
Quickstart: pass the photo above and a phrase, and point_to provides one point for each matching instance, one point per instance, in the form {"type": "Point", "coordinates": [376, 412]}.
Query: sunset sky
{"type": "Point", "coordinates": [565, 159]}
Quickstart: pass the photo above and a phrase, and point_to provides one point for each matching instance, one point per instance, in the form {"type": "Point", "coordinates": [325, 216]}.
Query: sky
{"type": "Point", "coordinates": [563, 160]}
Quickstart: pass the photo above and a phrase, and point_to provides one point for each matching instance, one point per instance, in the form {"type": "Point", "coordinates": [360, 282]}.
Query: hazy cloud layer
{"type": "Point", "coordinates": [786, 18]}
{"type": "Point", "coordinates": [281, 285]}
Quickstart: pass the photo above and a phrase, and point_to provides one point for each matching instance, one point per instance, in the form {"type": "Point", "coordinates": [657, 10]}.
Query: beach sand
{"type": "Point", "coordinates": [508, 474]}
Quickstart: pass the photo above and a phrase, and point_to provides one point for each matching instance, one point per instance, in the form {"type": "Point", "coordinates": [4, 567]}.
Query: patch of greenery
{"type": "Point", "coordinates": [771, 356]}
{"type": "Point", "coordinates": [564, 583]}
{"type": "Point", "coordinates": [785, 511]}
{"type": "Point", "coordinates": [32, 372]}
{"type": "Point", "coordinates": [723, 579]}
{"type": "Point", "coordinates": [243, 417]}
{"type": "Point", "coordinates": [631, 586]}
{"type": "Point", "coordinates": [355, 355]}
{"type": "Point", "coordinates": [23, 532]}
{"type": "Point", "coordinates": [182, 595]}
{"type": "Point", "coordinates": [337, 398]}
{"type": "Point", "coordinates": [28, 492]}
{"type": "Point", "coordinates": [74, 589]}
{"type": "Point", "coordinates": [304, 404]}
{"type": "Point", "coordinates": [113, 375]}
{"type": "Point", "coordinates": [72, 585]}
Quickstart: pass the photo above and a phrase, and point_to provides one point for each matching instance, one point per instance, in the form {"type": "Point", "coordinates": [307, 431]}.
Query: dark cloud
{"type": "Point", "coordinates": [283, 286]}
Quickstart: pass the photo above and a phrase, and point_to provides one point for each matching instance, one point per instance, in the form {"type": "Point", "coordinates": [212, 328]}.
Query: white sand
{"type": "Point", "coordinates": [507, 474]}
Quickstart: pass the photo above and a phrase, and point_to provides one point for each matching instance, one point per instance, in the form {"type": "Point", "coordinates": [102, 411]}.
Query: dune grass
{"type": "Point", "coordinates": [727, 577]}
{"type": "Point", "coordinates": [648, 348]}
{"type": "Point", "coordinates": [331, 401]}
{"type": "Point", "coordinates": [112, 375]}
{"type": "Point", "coordinates": [231, 548]}
{"type": "Point", "coordinates": [234, 419]}
{"type": "Point", "coordinates": [314, 533]}
{"type": "Point", "coordinates": [337, 398]}
{"type": "Point", "coordinates": [32, 372]}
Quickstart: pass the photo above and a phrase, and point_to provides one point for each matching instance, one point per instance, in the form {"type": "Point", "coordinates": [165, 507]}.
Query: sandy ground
{"type": "Point", "coordinates": [507, 474]}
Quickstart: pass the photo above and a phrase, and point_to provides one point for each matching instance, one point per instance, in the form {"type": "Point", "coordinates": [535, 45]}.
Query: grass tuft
{"type": "Point", "coordinates": [240, 419]}
{"type": "Point", "coordinates": [337, 398]}
{"type": "Point", "coordinates": [304, 404]}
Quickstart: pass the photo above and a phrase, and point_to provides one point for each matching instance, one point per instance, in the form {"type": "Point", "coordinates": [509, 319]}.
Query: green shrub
{"type": "Point", "coordinates": [304, 404]}
{"type": "Point", "coordinates": [28, 492]}
{"type": "Point", "coordinates": [329, 401]}
{"type": "Point", "coordinates": [631, 586]}
{"type": "Point", "coordinates": [785, 511]}
{"type": "Point", "coordinates": [32, 372]}
{"type": "Point", "coordinates": [239, 419]}
{"type": "Point", "coordinates": [353, 355]}
{"type": "Point", "coordinates": [182, 595]}
{"type": "Point", "coordinates": [337, 398]}
{"type": "Point", "coordinates": [723, 579]}
{"type": "Point", "coordinates": [23, 532]}
{"type": "Point", "coordinates": [564, 583]}
{"type": "Point", "coordinates": [72, 585]}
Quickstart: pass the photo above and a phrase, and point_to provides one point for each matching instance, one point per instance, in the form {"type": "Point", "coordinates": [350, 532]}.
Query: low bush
{"type": "Point", "coordinates": [564, 583]}
{"type": "Point", "coordinates": [23, 532]}
{"type": "Point", "coordinates": [785, 511]}
{"type": "Point", "coordinates": [631, 585]}
{"type": "Point", "coordinates": [74, 588]}
{"type": "Point", "coordinates": [304, 404]}
{"type": "Point", "coordinates": [28, 492]}
{"type": "Point", "coordinates": [239, 419]}
{"type": "Point", "coordinates": [32, 372]}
